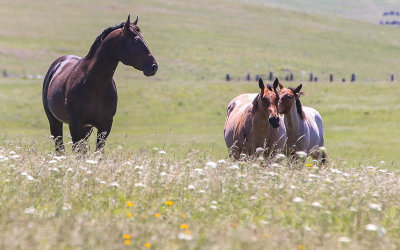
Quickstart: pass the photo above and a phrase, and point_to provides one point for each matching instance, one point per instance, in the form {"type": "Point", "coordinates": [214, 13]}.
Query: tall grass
{"type": "Point", "coordinates": [155, 198]}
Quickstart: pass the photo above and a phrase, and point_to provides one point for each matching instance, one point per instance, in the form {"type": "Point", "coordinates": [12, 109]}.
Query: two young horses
{"type": "Point", "coordinates": [81, 91]}
{"type": "Point", "coordinates": [252, 122]}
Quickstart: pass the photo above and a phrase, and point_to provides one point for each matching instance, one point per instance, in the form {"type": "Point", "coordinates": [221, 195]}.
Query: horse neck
{"type": "Point", "coordinates": [260, 120]}
{"type": "Point", "coordinates": [103, 64]}
{"type": "Point", "coordinates": [292, 121]}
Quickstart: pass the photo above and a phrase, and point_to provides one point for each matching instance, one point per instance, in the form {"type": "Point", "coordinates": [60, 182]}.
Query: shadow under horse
{"type": "Point", "coordinates": [81, 92]}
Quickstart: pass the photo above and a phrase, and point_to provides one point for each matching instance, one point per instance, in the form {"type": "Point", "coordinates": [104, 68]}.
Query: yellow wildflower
{"type": "Point", "coordinates": [129, 204]}
{"type": "Point", "coordinates": [147, 245]}
{"type": "Point", "coordinates": [308, 165]}
{"type": "Point", "coordinates": [127, 237]}
{"type": "Point", "coordinates": [129, 215]}
{"type": "Point", "coordinates": [301, 247]}
{"type": "Point", "coordinates": [182, 215]}
{"type": "Point", "coordinates": [184, 226]}
{"type": "Point", "coordinates": [157, 215]}
{"type": "Point", "coordinates": [127, 242]}
{"type": "Point", "coordinates": [169, 203]}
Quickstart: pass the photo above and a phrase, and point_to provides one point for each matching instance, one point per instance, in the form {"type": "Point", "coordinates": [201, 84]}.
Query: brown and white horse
{"type": "Point", "coordinates": [303, 124]}
{"type": "Point", "coordinates": [252, 121]}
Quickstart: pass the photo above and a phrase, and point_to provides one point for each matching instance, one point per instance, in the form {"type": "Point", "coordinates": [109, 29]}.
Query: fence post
{"type": "Point", "coordinates": [331, 77]}
{"type": "Point", "coordinates": [271, 76]}
{"type": "Point", "coordinates": [291, 77]}
{"type": "Point", "coordinates": [257, 77]}
{"type": "Point", "coordinates": [353, 77]}
{"type": "Point", "coordinates": [228, 78]}
{"type": "Point", "coordinates": [311, 77]}
{"type": "Point", "coordinates": [248, 78]}
{"type": "Point", "coordinates": [392, 78]}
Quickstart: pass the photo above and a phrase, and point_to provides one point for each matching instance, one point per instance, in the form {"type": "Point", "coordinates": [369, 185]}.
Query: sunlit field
{"type": "Point", "coordinates": [164, 180]}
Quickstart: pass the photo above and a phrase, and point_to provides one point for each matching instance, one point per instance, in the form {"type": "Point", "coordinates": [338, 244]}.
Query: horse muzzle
{"type": "Point", "coordinates": [274, 121]}
{"type": "Point", "coordinates": [152, 71]}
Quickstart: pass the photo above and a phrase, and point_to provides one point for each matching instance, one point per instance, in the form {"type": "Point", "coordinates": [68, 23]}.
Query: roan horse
{"type": "Point", "coordinates": [252, 121]}
{"type": "Point", "coordinates": [81, 91]}
{"type": "Point", "coordinates": [303, 124]}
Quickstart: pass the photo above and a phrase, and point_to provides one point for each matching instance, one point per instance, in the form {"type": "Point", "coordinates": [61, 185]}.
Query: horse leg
{"type": "Point", "coordinates": [56, 130]}
{"type": "Point", "coordinates": [79, 135]}
{"type": "Point", "coordinates": [102, 133]}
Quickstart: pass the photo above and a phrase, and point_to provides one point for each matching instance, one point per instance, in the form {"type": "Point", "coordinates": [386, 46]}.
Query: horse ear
{"type": "Point", "coordinates": [136, 21]}
{"type": "Point", "coordinates": [261, 84]}
{"type": "Point", "coordinates": [297, 90]}
{"type": "Point", "coordinates": [276, 83]}
{"type": "Point", "coordinates": [127, 25]}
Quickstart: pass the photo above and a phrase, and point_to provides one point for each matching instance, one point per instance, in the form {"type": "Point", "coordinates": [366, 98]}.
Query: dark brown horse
{"type": "Point", "coordinates": [81, 91]}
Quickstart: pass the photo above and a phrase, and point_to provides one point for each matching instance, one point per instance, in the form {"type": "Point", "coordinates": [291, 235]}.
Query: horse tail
{"type": "Point", "coordinates": [47, 79]}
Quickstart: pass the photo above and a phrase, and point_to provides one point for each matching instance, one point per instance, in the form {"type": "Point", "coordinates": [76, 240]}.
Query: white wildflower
{"type": "Point", "coordinates": [91, 161]}
{"type": "Point", "coordinates": [382, 170]}
{"type": "Point", "coordinates": [316, 204]}
{"type": "Point", "coordinates": [275, 165]}
{"type": "Point", "coordinates": [103, 182]}
{"type": "Point", "coordinates": [234, 167]}
{"type": "Point", "coordinates": [184, 236]}
{"type": "Point", "coordinates": [66, 206]}
{"type": "Point", "coordinates": [30, 178]}
{"type": "Point", "coordinates": [344, 239]}
{"type": "Point", "coordinates": [375, 207]}
{"type": "Point", "coordinates": [115, 184]}
{"type": "Point", "coordinates": [155, 149]}
{"type": "Point", "coordinates": [371, 227]}
{"type": "Point", "coordinates": [70, 170]}
{"type": "Point", "coordinates": [259, 150]}
{"type": "Point", "coordinates": [15, 156]}
{"type": "Point", "coordinates": [307, 228]}
{"type": "Point", "coordinates": [163, 174]}
{"type": "Point", "coordinates": [30, 210]}
{"type": "Point", "coordinates": [297, 200]}
{"type": "Point", "coordinates": [293, 187]}
{"type": "Point", "coordinates": [139, 167]}
{"type": "Point", "coordinates": [59, 158]}
{"type": "Point", "coordinates": [213, 207]}
{"type": "Point", "coordinates": [353, 209]}
{"type": "Point", "coordinates": [214, 202]}
{"type": "Point", "coordinates": [313, 176]}
{"type": "Point", "coordinates": [191, 187]}
{"type": "Point", "coordinates": [382, 162]}
{"type": "Point", "coordinates": [253, 197]}
{"type": "Point", "coordinates": [141, 185]}
{"type": "Point", "coordinates": [301, 154]}
{"type": "Point", "coordinates": [280, 157]}
{"type": "Point", "coordinates": [52, 162]}
{"type": "Point", "coordinates": [162, 152]}
{"type": "Point", "coordinates": [222, 161]}
{"type": "Point", "coordinates": [335, 171]}
{"type": "Point", "coordinates": [24, 174]}
{"type": "Point", "coordinates": [201, 191]}
{"type": "Point", "coordinates": [211, 164]}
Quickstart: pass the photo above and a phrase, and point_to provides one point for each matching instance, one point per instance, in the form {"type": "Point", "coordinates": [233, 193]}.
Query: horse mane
{"type": "Point", "coordinates": [299, 107]}
{"type": "Point", "coordinates": [255, 105]}
{"type": "Point", "coordinates": [100, 38]}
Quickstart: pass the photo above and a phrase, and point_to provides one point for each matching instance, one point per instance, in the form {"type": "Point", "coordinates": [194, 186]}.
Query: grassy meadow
{"type": "Point", "coordinates": [165, 180]}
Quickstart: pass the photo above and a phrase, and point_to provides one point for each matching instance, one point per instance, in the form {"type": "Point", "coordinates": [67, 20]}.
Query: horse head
{"type": "Point", "coordinates": [268, 100]}
{"type": "Point", "coordinates": [287, 97]}
{"type": "Point", "coordinates": [134, 51]}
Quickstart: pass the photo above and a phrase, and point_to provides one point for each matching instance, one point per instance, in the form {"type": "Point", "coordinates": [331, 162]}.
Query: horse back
{"type": "Point", "coordinates": [236, 118]}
